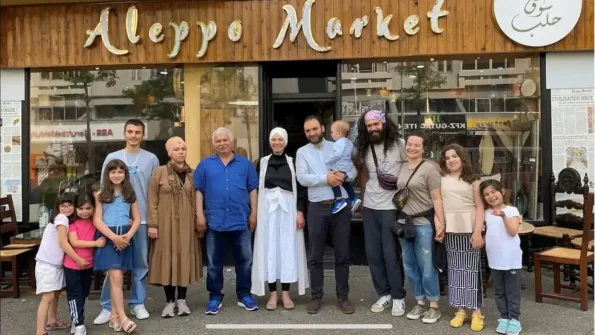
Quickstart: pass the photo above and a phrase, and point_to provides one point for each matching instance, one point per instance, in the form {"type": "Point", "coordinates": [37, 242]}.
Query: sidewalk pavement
{"type": "Point", "coordinates": [550, 317]}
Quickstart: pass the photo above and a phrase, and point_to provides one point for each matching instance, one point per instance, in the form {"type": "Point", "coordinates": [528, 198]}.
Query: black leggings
{"type": "Point", "coordinates": [273, 287]}
{"type": "Point", "coordinates": [170, 293]}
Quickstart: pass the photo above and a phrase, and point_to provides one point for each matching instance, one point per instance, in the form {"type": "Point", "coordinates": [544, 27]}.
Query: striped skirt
{"type": "Point", "coordinates": [465, 289]}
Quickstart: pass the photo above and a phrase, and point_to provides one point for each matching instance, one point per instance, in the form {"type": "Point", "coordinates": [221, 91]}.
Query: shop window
{"type": "Point", "coordinates": [481, 112]}
{"type": "Point", "coordinates": [221, 97]}
{"type": "Point", "coordinates": [62, 155]}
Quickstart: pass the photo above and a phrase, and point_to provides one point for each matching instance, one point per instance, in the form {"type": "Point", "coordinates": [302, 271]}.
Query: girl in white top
{"type": "Point", "coordinates": [503, 248]}
{"type": "Point", "coordinates": [49, 274]}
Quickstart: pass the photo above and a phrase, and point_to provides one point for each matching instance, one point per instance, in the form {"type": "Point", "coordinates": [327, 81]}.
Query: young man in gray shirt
{"type": "Point", "coordinates": [141, 164]}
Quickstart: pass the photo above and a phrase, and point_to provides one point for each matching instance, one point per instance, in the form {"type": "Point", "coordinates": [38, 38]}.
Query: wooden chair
{"type": "Point", "coordinates": [562, 256]}
{"type": "Point", "coordinates": [564, 227]}
{"type": "Point", "coordinates": [7, 211]}
{"type": "Point", "coordinates": [13, 256]}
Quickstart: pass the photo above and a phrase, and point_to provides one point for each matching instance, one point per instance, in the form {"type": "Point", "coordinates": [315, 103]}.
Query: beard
{"type": "Point", "coordinates": [376, 136]}
{"type": "Point", "coordinates": [316, 140]}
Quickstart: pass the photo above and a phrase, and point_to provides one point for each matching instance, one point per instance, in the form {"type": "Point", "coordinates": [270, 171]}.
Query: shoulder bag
{"type": "Point", "coordinates": [402, 195]}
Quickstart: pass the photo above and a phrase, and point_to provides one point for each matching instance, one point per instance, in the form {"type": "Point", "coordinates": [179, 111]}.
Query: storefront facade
{"type": "Point", "coordinates": [464, 71]}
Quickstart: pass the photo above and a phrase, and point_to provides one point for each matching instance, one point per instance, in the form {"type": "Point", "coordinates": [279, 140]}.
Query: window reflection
{"type": "Point", "coordinates": [78, 117]}
{"type": "Point", "coordinates": [222, 97]}
{"type": "Point", "coordinates": [490, 106]}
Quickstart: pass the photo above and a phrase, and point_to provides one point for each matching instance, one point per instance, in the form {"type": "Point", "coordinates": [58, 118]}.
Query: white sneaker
{"type": "Point", "coordinates": [398, 307]}
{"type": "Point", "coordinates": [382, 303]}
{"type": "Point", "coordinates": [102, 318]}
{"type": "Point", "coordinates": [80, 330]}
{"type": "Point", "coordinates": [140, 312]}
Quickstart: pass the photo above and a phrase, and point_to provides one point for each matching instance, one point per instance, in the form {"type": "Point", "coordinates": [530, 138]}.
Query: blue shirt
{"type": "Point", "coordinates": [117, 213]}
{"type": "Point", "coordinates": [226, 191]}
{"type": "Point", "coordinates": [145, 163]}
{"type": "Point", "coordinates": [311, 171]}
{"type": "Point", "coordinates": [341, 158]}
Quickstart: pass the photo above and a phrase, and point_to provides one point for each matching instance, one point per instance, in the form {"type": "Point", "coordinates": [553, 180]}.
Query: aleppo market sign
{"type": "Point", "coordinates": [293, 23]}
{"type": "Point", "coordinates": [537, 23]}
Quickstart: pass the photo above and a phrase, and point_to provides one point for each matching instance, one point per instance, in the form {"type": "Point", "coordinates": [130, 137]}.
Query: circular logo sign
{"type": "Point", "coordinates": [537, 23]}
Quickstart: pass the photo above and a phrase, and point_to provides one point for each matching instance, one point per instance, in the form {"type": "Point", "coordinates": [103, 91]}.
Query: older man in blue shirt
{"type": "Point", "coordinates": [312, 172]}
{"type": "Point", "coordinates": [226, 207]}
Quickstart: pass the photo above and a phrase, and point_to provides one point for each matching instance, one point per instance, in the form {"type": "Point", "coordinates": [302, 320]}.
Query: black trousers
{"type": "Point", "coordinates": [78, 286]}
{"type": "Point", "coordinates": [383, 252]}
{"type": "Point", "coordinates": [321, 222]}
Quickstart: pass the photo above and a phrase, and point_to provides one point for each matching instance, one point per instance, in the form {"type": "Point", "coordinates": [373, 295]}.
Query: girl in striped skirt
{"type": "Point", "coordinates": [464, 216]}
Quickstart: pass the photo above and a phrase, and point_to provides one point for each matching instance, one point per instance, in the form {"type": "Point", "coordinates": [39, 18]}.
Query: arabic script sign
{"type": "Point", "coordinates": [537, 23]}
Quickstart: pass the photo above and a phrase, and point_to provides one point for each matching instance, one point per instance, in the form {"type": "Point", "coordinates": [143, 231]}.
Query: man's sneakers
{"type": "Point", "coordinates": [140, 312]}
{"type": "Point", "coordinates": [248, 303]}
{"type": "Point", "coordinates": [382, 303]}
{"type": "Point", "coordinates": [398, 305]}
{"type": "Point", "coordinates": [102, 318]}
{"type": "Point", "coordinates": [342, 203]}
{"type": "Point", "coordinates": [213, 307]}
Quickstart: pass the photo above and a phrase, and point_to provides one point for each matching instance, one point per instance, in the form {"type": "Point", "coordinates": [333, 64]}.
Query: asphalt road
{"type": "Point", "coordinates": [551, 317]}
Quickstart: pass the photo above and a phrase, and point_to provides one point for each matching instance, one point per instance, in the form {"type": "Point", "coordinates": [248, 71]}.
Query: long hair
{"type": "Point", "coordinates": [106, 194]}
{"type": "Point", "coordinates": [467, 172]}
{"type": "Point", "coordinates": [66, 197]}
{"type": "Point", "coordinates": [362, 142]}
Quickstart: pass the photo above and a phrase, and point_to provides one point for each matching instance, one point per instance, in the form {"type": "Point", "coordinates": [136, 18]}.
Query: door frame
{"type": "Point", "coordinates": [299, 69]}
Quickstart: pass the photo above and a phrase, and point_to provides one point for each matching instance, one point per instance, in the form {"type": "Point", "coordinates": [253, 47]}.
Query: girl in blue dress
{"type": "Point", "coordinates": [116, 207]}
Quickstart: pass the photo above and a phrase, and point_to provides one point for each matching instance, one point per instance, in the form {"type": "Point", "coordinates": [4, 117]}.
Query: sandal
{"type": "Point", "coordinates": [58, 324]}
{"type": "Point", "coordinates": [128, 325]}
{"type": "Point", "coordinates": [113, 323]}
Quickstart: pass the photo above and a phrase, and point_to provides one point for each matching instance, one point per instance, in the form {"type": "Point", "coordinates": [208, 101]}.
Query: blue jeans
{"type": "Point", "coordinates": [240, 242]}
{"type": "Point", "coordinates": [419, 267]}
{"type": "Point", "coordinates": [138, 291]}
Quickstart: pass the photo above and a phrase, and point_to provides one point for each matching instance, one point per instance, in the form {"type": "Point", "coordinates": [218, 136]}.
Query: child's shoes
{"type": "Point", "coordinates": [502, 326]}
{"type": "Point", "coordinates": [514, 327]}
{"type": "Point", "coordinates": [339, 205]}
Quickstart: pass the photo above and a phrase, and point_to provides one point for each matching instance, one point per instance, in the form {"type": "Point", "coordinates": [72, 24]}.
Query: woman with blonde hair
{"type": "Point", "coordinates": [175, 259]}
{"type": "Point", "coordinates": [279, 250]}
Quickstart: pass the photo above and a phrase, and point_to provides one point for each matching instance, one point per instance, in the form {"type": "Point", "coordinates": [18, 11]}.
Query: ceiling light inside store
{"type": "Point", "coordinates": [164, 72]}
{"type": "Point", "coordinates": [431, 59]}
{"type": "Point", "coordinates": [420, 66]}
{"type": "Point", "coordinates": [97, 68]}
{"type": "Point", "coordinates": [412, 76]}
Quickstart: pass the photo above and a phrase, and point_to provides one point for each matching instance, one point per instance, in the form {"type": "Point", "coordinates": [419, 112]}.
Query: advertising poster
{"type": "Point", "coordinates": [573, 135]}
{"type": "Point", "coordinates": [10, 156]}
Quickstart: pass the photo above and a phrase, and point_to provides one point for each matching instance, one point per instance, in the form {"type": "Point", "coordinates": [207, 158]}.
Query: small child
{"type": "Point", "coordinates": [49, 274]}
{"type": "Point", "coordinates": [341, 160]}
{"type": "Point", "coordinates": [81, 235]}
{"type": "Point", "coordinates": [503, 248]}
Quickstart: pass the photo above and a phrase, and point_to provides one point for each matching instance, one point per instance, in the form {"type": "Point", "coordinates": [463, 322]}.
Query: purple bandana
{"type": "Point", "coordinates": [375, 114]}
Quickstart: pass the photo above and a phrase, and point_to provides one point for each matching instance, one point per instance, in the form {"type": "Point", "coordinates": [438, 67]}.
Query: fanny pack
{"type": "Point", "coordinates": [385, 180]}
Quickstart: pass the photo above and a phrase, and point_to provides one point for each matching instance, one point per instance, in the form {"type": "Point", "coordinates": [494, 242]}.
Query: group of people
{"type": "Point", "coordinates": [419, 217]}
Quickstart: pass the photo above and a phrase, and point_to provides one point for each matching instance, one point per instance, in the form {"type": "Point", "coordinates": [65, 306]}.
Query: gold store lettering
{"type": "Point", "coordinates": [208, 29]}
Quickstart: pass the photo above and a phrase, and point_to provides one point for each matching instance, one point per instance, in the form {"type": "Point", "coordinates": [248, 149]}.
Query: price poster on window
{"type": "Point", "coordinates": [10, 157]}
{"type": "Point", "coordinates": [573, 134]}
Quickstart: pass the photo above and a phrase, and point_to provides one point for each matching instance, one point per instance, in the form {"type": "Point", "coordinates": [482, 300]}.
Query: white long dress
{"type": "Point", "coordinates": [279, 249]}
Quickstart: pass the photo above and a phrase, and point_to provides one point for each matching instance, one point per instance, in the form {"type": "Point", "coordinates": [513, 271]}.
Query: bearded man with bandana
{"type": "Point", "coordinates": [381, 151]}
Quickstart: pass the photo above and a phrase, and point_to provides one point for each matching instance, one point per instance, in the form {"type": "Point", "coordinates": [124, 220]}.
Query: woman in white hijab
{"type": "Point", "coordinates": [279, 251]}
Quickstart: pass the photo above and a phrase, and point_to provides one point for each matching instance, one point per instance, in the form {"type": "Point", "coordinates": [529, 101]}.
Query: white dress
{"type": "Point", "coordinates": [279, 249]}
